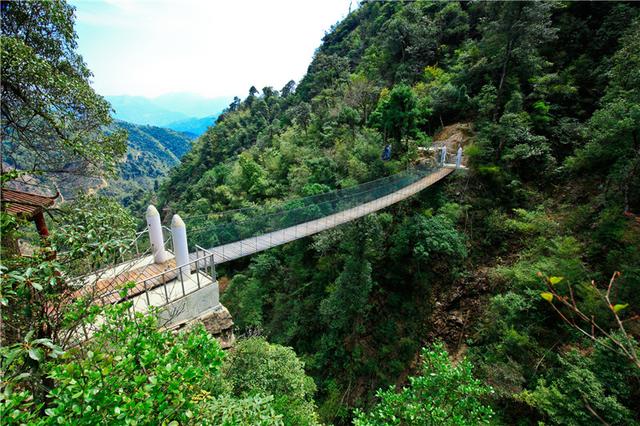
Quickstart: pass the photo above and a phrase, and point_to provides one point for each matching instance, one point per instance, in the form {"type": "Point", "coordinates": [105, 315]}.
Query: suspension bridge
{"type": "Point", "coordinates": [177, 273]}
{"type": "Point", "coordinates": [259, 232]}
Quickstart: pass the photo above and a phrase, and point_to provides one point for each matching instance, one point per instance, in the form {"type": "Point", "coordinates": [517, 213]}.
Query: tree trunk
{"type": "Point", "coordinates": [503, 75]}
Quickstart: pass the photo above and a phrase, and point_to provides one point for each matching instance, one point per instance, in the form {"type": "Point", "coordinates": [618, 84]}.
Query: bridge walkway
{"type": "Point", "coordinates": [248, 246]}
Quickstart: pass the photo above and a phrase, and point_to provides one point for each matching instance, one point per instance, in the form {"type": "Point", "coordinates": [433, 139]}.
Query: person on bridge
{"type": "Point", "coordinates": [386, 154]}
{"type": "Point", "coordinates": [459, 157]}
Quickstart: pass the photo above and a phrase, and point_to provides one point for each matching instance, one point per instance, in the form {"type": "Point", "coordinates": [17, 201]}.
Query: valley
{"type": "Point", "coordinates": [436, 225]}
{"type": "Point", "coordinates": [181, 112]}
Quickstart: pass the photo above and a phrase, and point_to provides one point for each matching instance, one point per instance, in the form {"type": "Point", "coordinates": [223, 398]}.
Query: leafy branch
{"type": "Point", "coordinates": [624, 345]}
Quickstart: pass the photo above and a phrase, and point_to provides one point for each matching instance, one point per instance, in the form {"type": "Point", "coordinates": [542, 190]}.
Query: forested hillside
{"type": "Point", "coordinates": [498, 262]}
{"type": "Point", "coordinates": [151, 153]}
{"type": "Point", "coordinates": [505, 294]}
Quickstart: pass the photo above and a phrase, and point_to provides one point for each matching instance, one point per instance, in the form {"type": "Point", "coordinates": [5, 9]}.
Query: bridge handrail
{"type": "Point", "coordinates": [398, 176]}
{"type": "Point", "coordinates": [314, 210]}
{"type": "Point", "coordinates": [281, 206]}
{"type": "Point", "coordinates": [345, 200]}
{"type": "Point", "coordinates": [78, 281]}
{"type": "Point", "coordinates": [160, 279]}
{"type": "Point", "coordinates": [134, 244]}
{"type": "Point", "coordinates": [278, 212]}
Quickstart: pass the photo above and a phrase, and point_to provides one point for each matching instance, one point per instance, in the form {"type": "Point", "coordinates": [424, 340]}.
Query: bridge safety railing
{"type": "Point", "coordinates": [250, 212]}
{"type": "Point", "coordinates": [168, 286]}
{"type": "Point", "coordinates": [252, 223]}
{"type": "Point", "coordinates": [137, 249]}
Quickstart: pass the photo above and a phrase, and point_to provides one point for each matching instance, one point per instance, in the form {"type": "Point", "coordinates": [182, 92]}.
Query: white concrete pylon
{"type": "Point", "coordinates": [155, 235]}
{"type": "Point", "coordinates": [180, 246]}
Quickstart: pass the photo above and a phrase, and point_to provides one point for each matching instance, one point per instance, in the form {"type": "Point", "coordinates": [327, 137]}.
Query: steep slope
{"type": "Point", "coordinates": [151, 153]}
{"type": "Point", "coordinates": [193, 126]}
{"type": "Point", "coordinates": [553, 98]}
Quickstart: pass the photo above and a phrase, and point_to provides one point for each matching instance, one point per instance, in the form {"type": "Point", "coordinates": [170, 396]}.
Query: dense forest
{"type": "Point", "coordinates": [151, 152]}
{"type": "Point", "coordinates": [552, 90]}
{"type": "Point", "coordinates": [507, 294]}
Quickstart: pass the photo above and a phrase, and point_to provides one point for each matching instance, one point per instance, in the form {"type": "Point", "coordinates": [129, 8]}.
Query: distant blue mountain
{"type": "Point", "coordinates": [179, 111]}
{"type": "Point", "coordinates": [193, 126]}
{"type": "Point", "coordinates": [139, 110]}
{"type": "Point", "coordinates": [192, 105]}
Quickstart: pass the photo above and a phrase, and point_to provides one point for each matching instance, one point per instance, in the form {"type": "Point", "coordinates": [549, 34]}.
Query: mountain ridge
{"type": "Point", "coordinates": [185, 110]}
{"type": "Point", "coordinates": [151, 152]}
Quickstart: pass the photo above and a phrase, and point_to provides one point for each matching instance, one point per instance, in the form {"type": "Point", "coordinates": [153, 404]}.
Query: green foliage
{"type": "Point", "coordinates": [245, 297]}
{"type": "Point", "coordinates": [92, 230]}
{"type": "Point", "coordinates": [37, 317]}
{"type": "Point", "coordinates": [444, 394]}
{"type": "Point", "coordinates": [553, 168]}
{"type": "Point", "coordinates": [582, 392]}
{"type": "Point", "coordinates": [52, 120]}
{"type": "Point", "coordinates": [527, 223]}
{"type": "Point", "coordinates": [18, 407]}
{"type": "Point", "coordinates": [145, 375]}
{"type": "Point", "coordinates": [226, 410]}
{"type": "Point", "coordinates": [397, 114]}
{"type": "Point", "coordinates": [440, 96]}
{"type": "Point", "coordinates": [513, 142]}
{"type": "Point", "coordinates": [256, 367]}
{"type": "Point", "coordinates": [432, 238]}
{"type": "Point", "coordinates": [347, 298]}
{"type": "Point", "coordinates": [551, 90]}
{"type": "Point", "coordinates": [512, 37]}
{"type": "Point", "coordinates": [613, 148]}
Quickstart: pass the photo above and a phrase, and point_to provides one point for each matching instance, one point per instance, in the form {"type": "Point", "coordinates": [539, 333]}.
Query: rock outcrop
{"type": "Point", "coordinates": [217, 321]}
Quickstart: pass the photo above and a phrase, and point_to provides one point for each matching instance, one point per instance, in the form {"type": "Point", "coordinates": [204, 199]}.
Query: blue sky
{"type": "Point", "coordinates": [207, 47]}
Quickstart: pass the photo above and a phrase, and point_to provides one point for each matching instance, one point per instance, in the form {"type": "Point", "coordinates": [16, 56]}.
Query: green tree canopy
{"type": "Point", "coordinates": [256, 367]}
{"type": "Point", "coordinates": [444, 394]}
{"type": "Point", "coordinates": [397, 114]}
{"type": "Point", "coordinates": [52, 120]}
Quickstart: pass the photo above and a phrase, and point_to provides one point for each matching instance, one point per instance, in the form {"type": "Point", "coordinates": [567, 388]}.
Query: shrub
{"type": "Point", "coordinates": [256, 367]}
{"type": "Point", "coordinates": [444, 394]}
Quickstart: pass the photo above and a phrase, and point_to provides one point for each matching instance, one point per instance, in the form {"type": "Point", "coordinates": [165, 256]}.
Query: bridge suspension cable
{"type": "Point", "coordinates": [240, 224]}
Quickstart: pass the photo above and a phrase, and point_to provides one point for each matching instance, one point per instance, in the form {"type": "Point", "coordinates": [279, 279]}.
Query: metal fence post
{"type": "Point", "coordinates": [182, 281]}
{"type": "Point", "coordinates": [198, 267]}
{"type": "Point", "coordinates": [146, 292]}
{"type": "Point", "coordinates": [164, 284]}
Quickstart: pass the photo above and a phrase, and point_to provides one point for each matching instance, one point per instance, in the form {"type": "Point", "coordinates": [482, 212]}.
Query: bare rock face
{"type": "Point", "coordinates": [458, 308]}
{"type": "Point", "coordinates": [452, 137]}
{"type": "Point", "coordinates": [455, 135]}
{"type": "Point", "coordinates": [218, 322]}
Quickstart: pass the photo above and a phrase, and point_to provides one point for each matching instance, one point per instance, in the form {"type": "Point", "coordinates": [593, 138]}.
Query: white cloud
{"type": "Point", "coordinates": [213, 48]}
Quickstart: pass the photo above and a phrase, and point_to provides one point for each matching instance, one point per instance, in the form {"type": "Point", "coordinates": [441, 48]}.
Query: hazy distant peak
{"type": "Point", "coordinates": [166, 109]}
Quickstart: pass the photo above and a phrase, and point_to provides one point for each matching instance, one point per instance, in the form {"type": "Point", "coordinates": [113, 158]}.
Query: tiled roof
{"type": "Point", "coordinates": [25, 204]}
